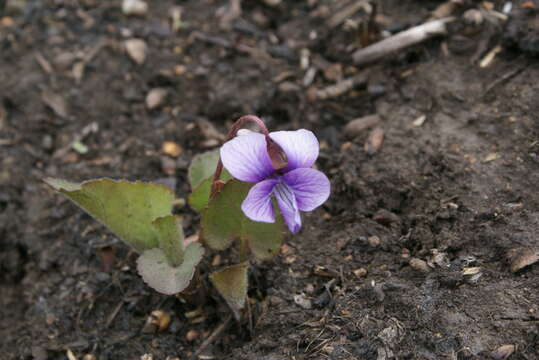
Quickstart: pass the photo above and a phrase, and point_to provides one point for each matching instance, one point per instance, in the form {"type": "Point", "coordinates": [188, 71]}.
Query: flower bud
{"type": "Point", "coordinates": [277, 155]}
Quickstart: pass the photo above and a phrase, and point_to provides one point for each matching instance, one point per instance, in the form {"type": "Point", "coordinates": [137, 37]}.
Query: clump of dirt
{"type": "Point", "coordinates": [425, 248]}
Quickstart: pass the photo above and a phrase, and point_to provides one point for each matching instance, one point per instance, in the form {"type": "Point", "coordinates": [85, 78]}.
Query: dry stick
{"type": "Point", "coordinates": [210, 339]}
{"type": "Point", "coordinates": [340, 88]}
{"type": "Point", "coordinates": [401, 40]}
{"type": "Point", "coordinates": [339, 17]}
{"type": "Point", "coordinates": [504, 78]}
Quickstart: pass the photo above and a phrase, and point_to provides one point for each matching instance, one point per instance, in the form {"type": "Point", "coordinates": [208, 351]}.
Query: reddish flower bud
{"type": "Point", "coordinates": [277, 156]}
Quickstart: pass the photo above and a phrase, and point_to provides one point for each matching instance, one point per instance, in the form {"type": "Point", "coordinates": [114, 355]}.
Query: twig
{"type": "Point", "coordinates": [114, 313]}
{"type": "Point", "coordinates": [214, 336]}
{"type": "Point", "coordinates": [44, 63]}
{"type": "Point", "coordinates": [340, 16]}
{"type": "Point", "coordinates": [339, 88]}
{"type": "Point", "coordinates": [504, 78]}
{"type": "Point", "coordinates": [401, 40]}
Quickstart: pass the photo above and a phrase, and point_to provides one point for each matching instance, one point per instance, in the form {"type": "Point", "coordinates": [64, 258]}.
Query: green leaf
{"type": "Point", "coordinates": [202, 167]}
{"type": "Point", "coordinates": [231, 282]}
{"type": "Point", "coordinates": [126, 208]}
{"type": "Point", "coordinates": [223, 221]}
{"type": "Point", "coordinates": [200, 177]}
{"type": "Point", "coordinates": [200, 196]}
{"type": "Point", "coordinates": [170, 232]}
{"type": "Point", "coordinates": [155, 270]}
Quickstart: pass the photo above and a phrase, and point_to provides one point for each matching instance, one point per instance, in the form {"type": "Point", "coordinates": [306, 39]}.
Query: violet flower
{"type": "Point", "coordinates": [296, 187]}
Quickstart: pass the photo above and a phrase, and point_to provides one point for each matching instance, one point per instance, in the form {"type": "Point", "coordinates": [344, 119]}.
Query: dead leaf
{"type": "Point", "coordinates": [56, 103]}
{"type": "Point", "coordinates": [519, 258]}
{"type": "Point", "coordinates": [137, 50]}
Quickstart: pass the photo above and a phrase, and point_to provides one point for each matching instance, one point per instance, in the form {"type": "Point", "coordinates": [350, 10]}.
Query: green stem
{"type": "Point", "coordinates": [243, 250]}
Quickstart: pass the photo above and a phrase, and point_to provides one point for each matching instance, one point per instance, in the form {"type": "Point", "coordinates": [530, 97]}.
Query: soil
{"type": "Point", "coordinates": [418, 254]}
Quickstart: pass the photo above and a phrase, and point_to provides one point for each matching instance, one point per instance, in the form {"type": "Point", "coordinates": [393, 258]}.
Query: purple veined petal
{"type": "Point", "coordinates": [246, 157]}
{"type": "Point", "coordinates": [301, 147]}
{"type": "Point", "coordinates": [288, 206]}
{"type": "Point", "coordinates": [311, 187]}
{"type": "Point", "coordinates": [257, 206]}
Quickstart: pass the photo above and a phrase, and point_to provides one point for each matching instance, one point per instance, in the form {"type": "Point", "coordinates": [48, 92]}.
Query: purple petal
{"type": "Point", "coordinates": [246, 157]}
{"type": "Point", "coordinates": [311, 187]}
{"type": "Point", "coordinates": [301, 147]}
{"type": "Point", "coordinates": [257, 206]}
{"type": "Point", "coordinates": [289, 208]}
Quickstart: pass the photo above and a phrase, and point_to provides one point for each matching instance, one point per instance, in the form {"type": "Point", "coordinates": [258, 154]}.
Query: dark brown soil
{"type": "Point", "coordinates": [411, 257]}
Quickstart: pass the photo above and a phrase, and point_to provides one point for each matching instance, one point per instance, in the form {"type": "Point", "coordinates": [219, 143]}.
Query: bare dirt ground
{"type": "Point", "coordinates": [420, 251]}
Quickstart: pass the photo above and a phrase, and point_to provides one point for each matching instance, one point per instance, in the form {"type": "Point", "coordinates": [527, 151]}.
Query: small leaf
{"type": "Point", "coordinates": [153, 266]}
{"type": "Point", "coordinates": [202, 167]}
{"type": "Point", "coordinates": [231, 282]}
{"type": "Point", "coordinates": [126, 208]}
{"type": "Point", "coordinates": [223, 221]}
{"type": "Point", "coordinates": [201, 177]}
{"type": "Point", "coordinates": [171, 237]}
{"type": "Point", "coordinates": [79, 147]}
{"type": "Point", "coordinates": [200, 196]}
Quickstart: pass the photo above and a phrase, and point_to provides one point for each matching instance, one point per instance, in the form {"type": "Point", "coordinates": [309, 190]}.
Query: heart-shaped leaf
{"type": "Point", "coordinates": [202, 167]}
{"type": "Point", "coordinates": [223, 221]}
{"type": "Point", "coordinates": [155, 270]}
{"type": "Point", "coordinates": [126, 208]}
{"type": "Point", "coordinates": [231, 282]}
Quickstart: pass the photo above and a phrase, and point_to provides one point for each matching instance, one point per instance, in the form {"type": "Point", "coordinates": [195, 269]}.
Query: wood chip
{"type": "Point", "coordinates": [489, 57]}
{"type": "Point", "coordinates": [490, 157]}
{"type": "Point", "coordinates": [420, 120]}
{"type": "Point", "coordinates": [503, 352]}
{"type": "Point", "coordinates": [56, 103]}
{"type": "Point", "coordinates": [361, 272]}
{"type": "Point", "coordinates": [359, 125]}
{"type": "Point", "coordinates": [375, 141]}
{"type": "Point", "coordinates": [171, 148]}
{"type": "Point", "coordinates": [137, 50]}
{"type": "Point", "coordinates": [70, 355]}
{"type": "Point", "coordinates": [44, 63]}
{"type": "Point", "coordinates": [339, 88]}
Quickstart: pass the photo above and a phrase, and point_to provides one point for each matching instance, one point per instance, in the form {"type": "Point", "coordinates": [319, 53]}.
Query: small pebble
{"type": "Point", "coordinates": [361, 272]}
{"type": "Point", "coordinates": [155, 98]}
{"type": "Point", "coordinates": [303, 302]}
{"type": "Point", "coordinates": [374, 241]}
{"type": "Point", "coordinates": [158, 320]}
{"type": "Point", "coordinates": [168, 165]}
{"type": "Point", "coordinates": [374, 141]}
{"type": "Point", "coordinates": [192, 335]}
{"type": "Point", "coordinates": [419, 265]}
{"type": "Point", "coordinates": [102, 276]}
{"type": "Point", "coordinates": [137, 50]}
{"type": "Point", "coordinates": [134, 7]}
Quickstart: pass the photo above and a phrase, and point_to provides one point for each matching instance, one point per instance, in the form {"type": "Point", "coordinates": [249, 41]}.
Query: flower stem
{"type": "Point", "coordinates": [243, 250]}
{"type": "Point", "coordinates": [218, 184]}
